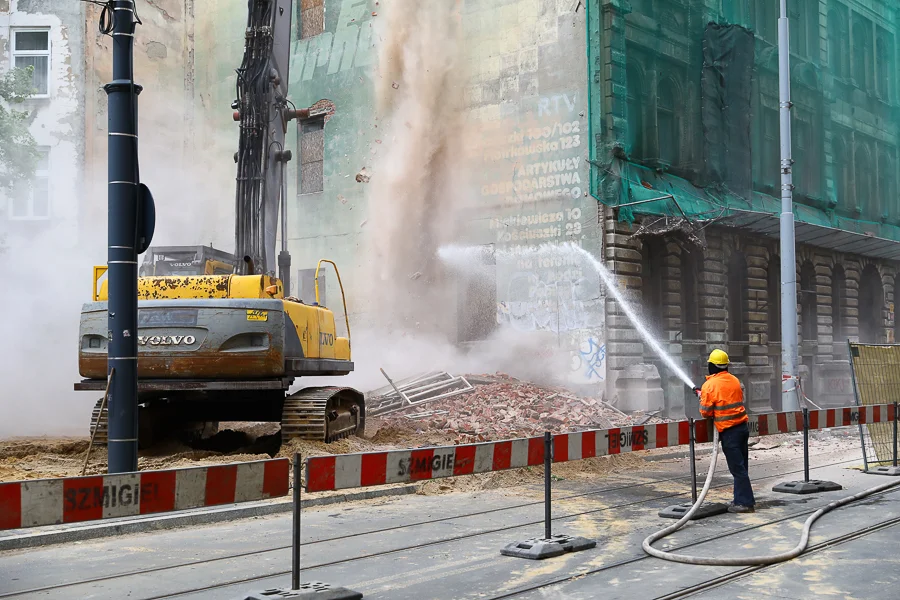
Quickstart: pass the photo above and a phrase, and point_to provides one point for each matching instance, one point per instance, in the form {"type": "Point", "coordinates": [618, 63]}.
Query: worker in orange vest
{"type": "Point", "coordinates": [722, 400]}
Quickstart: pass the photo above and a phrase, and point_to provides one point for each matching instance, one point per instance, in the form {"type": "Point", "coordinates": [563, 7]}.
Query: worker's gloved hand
{"type": "Point", "coordinates": [696, 390]}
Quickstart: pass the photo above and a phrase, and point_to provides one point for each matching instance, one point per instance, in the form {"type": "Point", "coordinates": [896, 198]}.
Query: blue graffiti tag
{"type": "Point", "coordinates": [594, 358]}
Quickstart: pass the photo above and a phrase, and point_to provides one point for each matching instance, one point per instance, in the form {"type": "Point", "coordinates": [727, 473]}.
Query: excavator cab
{"type": "Point", "coordinates": [186, 260]}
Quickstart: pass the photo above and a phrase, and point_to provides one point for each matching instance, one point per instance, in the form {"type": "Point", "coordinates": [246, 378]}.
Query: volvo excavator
{"type": "Point", "coordinates": [219, 336]}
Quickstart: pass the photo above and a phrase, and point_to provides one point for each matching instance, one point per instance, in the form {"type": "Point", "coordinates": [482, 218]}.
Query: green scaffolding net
{"type": "Point", "coordinates": [688, 126]}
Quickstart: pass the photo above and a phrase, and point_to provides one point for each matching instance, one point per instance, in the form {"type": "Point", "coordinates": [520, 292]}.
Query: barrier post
{"type": "Point", "coordinates": [893, 470]}
{"type": "Point", "coordinates": [550, 545]}
{"type": "Point", "coordinates": [806, 486]}
{"type": "Point", "coordinates": [548, 465]}
{"type": "Point", "coordinates": [295, 538]}
{"type": "Point", "coordinates": [708, 509]}
{"type": "Point", "coordinates": [312, 590]}
{"type": "Point", "coordinates": [895, 434]}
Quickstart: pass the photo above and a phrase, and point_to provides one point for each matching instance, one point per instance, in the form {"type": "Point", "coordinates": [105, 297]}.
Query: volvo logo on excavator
{"type": "Point", "coordinates": [166, 340]}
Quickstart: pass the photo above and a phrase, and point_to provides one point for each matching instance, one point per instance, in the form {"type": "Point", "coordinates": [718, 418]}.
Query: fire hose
{"type": "Point", "coordinates": [746, 560]}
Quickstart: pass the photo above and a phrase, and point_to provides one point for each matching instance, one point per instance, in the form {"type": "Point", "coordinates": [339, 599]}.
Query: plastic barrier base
{"type": "Point", "coordinates": [892, 471]}
{"type": "Point", "coordinates": [708, 509]}
{"type": "Point", "coordinates": [813, 486]}
{"type": "Point", "coordinates": [540, 548]}
{"type": "Point", "coordinates": [312, 590]}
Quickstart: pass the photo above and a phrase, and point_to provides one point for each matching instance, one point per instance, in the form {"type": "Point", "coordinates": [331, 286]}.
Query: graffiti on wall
{"type": "Point", "coordinates": [589, 363]}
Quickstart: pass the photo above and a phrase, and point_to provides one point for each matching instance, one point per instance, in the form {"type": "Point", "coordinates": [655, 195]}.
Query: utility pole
{"type": "Point", "coordinates": [789, 355]}
{"type": "Point", "coordinates": [123, 191]}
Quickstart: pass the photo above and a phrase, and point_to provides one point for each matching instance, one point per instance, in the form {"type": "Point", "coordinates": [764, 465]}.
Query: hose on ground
{"type": "Point", "coordinates": [745, 560]}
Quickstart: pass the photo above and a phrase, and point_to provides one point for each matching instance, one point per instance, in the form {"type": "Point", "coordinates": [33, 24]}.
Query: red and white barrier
{"type": "Point", "coordinates": [69, 500]}
{"type": "Point", "coordinates": [343, 471]}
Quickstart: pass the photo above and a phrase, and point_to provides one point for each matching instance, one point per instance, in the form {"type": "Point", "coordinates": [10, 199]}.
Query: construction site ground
{"type": "Point", "coordinates": [499, 407]}
{"type": "Point", "coordinates": [447, 545]}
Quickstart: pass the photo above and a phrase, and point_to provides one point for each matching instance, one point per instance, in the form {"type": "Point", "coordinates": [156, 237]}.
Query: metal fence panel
{"type": "Point", "coordinates": [876, 380]}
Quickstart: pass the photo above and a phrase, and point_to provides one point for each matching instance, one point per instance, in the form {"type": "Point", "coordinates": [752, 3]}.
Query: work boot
{"type": "Point", "coordinates": [738, 508]}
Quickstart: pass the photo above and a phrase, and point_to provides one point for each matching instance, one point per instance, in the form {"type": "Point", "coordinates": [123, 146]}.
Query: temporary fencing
{"type": "Point", "coordinates": [74, 499]}
{"type": "Point", "coordinates": [875, 369]}
{"type": "Point", "coordinates": [336, 472]}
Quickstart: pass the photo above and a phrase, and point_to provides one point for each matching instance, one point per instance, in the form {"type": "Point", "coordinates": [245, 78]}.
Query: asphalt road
{"type": "Point", "coordinates": [447, 546]}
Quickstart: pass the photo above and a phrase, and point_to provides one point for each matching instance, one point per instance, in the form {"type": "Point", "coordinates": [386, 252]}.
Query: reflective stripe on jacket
{"type": "Point", "coordinates": [722, 399]}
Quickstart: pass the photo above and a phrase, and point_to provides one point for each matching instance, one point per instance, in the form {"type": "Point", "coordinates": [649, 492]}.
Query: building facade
{"type": "Point", "coordinates": [646, 132]}
{"type": "Point", "coordinates": [50, 39]}
{"type": "Point", "coordinates": [688, 103]}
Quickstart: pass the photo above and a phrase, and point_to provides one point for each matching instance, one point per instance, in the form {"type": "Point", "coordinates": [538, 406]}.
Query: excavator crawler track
{"type": "Point", "coordinates": [102, 427]}
{"type": "Point", "coordinates": [322, 414]}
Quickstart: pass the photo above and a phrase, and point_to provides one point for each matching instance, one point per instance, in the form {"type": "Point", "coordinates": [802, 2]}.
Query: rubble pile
{"type": "Point", "coordinates": [503, 407]}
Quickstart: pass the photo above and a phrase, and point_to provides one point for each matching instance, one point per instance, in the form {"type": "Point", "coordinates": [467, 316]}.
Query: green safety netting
{"type": "Point", "coordinates": [692, 130]}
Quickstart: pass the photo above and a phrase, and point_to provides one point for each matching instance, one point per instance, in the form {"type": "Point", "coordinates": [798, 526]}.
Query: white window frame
{"type": "Point", "coordinates": [48, 53]}
{"type": "Point", "coordinates": [39, 173]}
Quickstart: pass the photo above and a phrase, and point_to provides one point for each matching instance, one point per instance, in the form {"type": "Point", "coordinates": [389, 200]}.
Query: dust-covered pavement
{"type": "Point", "coordinates": [447, 546]}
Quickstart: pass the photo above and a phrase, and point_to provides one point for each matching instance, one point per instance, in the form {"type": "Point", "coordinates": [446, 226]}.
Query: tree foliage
{"type": "Point", "coordinates": [18, 150]}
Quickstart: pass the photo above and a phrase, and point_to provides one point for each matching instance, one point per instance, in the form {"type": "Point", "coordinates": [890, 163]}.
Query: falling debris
{"type": "Point", "coordinates": [363, 176]}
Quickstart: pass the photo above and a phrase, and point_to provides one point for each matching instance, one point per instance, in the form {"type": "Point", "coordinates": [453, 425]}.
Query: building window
{"type": "Point", "coordinates": [865, 197]}
{"type": "Point", "coordinates": [884, 50]}
{"type": "Point", "coordinates": [31, 199]}
{"type": "Point", "coordinates": [808, 303]}
{"type": "Point", "coordinates": [871, 306]}
{"type": "Point", "coordinates": [312, 155]}
{"type": "Point", "coordinates": [767, 21]}
{"type": "Point", "coordinates": [652, 284]}
{"type": "Point", "coordinates": [312, 18]}
{"type": "Point", "coordinates": [31, 48]}
{"type": "Point", "coordinates": [862, 53]}
{"type": "Point", "coordinates": [837, 40]}
{"type": "Point", "coordinates": [667, 122]}
{"type": "Point", "coordinates": [773, 302]}
{"type": "Point", "coordinates": [690, 308]}
{"type": "Point", "coordinates": [843, 173]}
{"type": "Point", "coordinates": [803, 16]}
{"type": "Point", "coordinates": [887, 188]}
{"type": "Point", "coordinates": [635, 116]}
{"type": "Point", "coordinates": [838, 293]}
{"type": "Point", "coordinates": [737, 298]}
{"type": "Point", "coordinates": [771, 162]}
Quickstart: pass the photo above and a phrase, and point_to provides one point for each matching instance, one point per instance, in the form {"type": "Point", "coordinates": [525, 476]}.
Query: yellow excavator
{"type": "Point", "coordinates": [218, 337]}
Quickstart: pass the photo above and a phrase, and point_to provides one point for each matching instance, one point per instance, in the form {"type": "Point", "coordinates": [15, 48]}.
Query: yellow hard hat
{"type": "Point", "coordinates": [718, 357]}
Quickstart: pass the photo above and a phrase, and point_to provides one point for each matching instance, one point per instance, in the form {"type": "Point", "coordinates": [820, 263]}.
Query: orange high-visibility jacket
{"type": "Point", "coordinates": [722, 399]}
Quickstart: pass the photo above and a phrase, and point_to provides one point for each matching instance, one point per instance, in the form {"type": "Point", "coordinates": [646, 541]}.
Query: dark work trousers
{"type": "Point", "coordinates": [734, 445]}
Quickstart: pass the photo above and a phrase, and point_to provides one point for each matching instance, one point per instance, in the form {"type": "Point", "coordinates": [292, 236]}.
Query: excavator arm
{"type": "Point", "coordinates": [263, 112]}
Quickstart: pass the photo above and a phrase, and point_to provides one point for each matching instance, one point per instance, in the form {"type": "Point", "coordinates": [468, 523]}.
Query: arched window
{"type": "Point", "coordinates": [864, 187]}
{"type": "Point", "coordinates": [871, 305]}
{"type": "Point", "coordinates": [773, 289]}
{"type": "Point", "coordinates": [667, 122]}
{"type": "Point", "coordinates": [690, 307]}
{"type": "Point", "coordinates": [635, 112]}
{"type": "Point", "coordinates": [737, 298]}
{"type": "Point", "coordinates": [838, 293]}
{"type": "Point", "coordinates": [808, 303]}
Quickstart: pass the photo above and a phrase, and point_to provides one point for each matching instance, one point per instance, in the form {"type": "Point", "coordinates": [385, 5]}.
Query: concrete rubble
{"type": "Point", "coordinates": [502, 407]}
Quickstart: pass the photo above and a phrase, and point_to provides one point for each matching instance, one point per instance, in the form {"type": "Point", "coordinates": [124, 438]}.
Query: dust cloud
{"type": "Point", "coordinates": [418, 180]}
{"type": "Point", "coordinates": [422, 183]}
{"type": "Point", "coordinates": [47, 276]}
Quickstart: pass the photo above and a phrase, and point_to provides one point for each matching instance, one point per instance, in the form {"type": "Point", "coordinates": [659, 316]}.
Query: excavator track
{"type": "Point", "coordinates": [323, 414]}
{"type": "Point", "coordinates": [102, 427]}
